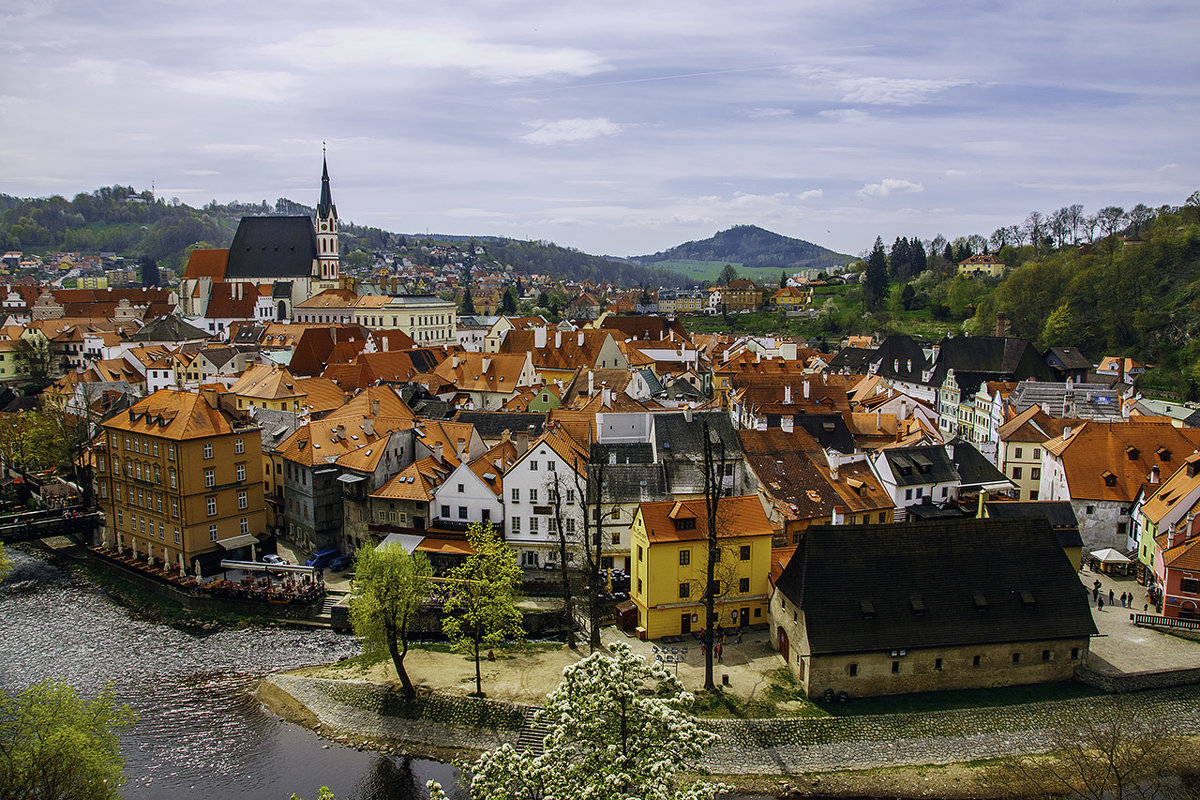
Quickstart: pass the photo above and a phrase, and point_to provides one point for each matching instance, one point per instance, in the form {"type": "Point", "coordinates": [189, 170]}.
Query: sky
{"type": "Point", "coordinates": [614, 127]}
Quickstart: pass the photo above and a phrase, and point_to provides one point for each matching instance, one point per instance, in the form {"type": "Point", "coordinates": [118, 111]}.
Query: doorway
{"type": "Point", "coordinates": [685, 624]}
{"type": "Point", "coordinates": [783, 643]}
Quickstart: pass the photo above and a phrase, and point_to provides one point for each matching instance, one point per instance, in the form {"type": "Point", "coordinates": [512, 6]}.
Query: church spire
{"type": "Point", "coordinates": [327, 227]}
{"type": "Point", "coordinates": [325, 208]}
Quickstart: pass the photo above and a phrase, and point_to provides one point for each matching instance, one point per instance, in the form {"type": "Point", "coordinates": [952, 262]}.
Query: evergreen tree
{"type": "Point", "coordinates": [508, 303]}
{"type": "Point", "coordinates": [875, 277]}
{"type": "Point", "coordinates": [728, 274]}
{"type": "Point", "coordinates": [149, 270]}
{"type": "Point", "coordinates": [782, 279]}
{"type": "Point", "coordinates": [468, 301]}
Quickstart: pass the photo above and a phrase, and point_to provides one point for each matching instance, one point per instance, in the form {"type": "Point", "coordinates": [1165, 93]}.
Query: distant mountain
{"type": "Point", "coordinates": [752, 246]}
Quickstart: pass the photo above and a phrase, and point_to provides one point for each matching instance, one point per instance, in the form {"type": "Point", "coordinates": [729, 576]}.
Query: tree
{"type": "Point", "coordinates": [326, 794]}
{"type": "Point", "coordinates": [5, 564]}
{"type": "Point", "coordinates": [782, 279]}
{"type": "Point", "coordinates": [619, 730]}
{"type": "Point", "coordinates": [468, 301]}
{"type": "Point", "coordinates": [56, 744]}
{"type": "Point", "coordinates": [728, 275]}
{"type": "Point", "coordinates": [149, 269]}
{"type": "Point", "coordinates": [590, 484]}
{"type": "Point", "coordinates": [1139, 215]}
{"type": "Point", "coordinates": [1111, 218]}
{"type": "Point", "coordinates": [875, 277]}
{"type": "Point", "coordinates": [1035, 229]}
{"type": "Point", "coordinates": [482, 607]}
{"type": "Point", "coordinates": [1103, 757]}
{"type": "Point", "coordinates": [33, 357]}
{"type": "Point", "coordinates": [714, 462]}
{"type": "Point", "coordinates": [508, 303]}
{"type": "Point", "coordinates": [389, 587]}
{"type": "Point", "coordinates": [564, 529]}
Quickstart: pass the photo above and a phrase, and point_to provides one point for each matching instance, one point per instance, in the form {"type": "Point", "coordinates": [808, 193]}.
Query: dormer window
{"type": "Point", "coordinates": [1109, 478]}
{"type": "Point", "coordinates": [1132, 452]}
{"type": "Point", "coordinates": [685, 524]}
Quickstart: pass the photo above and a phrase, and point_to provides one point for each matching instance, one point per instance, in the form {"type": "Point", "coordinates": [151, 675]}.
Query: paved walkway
{"type": "Point", "coordinates": [1123, 647]}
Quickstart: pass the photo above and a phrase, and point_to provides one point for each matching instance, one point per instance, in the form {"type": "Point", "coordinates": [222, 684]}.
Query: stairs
{"type": "Point", "coordinates": [328, 603]}
{"type": "Point", "coordinates": [532, 734]}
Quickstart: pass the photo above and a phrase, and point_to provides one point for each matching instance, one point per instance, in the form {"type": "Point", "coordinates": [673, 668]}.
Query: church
{"type": "Point", "coordinates": [272, 264]}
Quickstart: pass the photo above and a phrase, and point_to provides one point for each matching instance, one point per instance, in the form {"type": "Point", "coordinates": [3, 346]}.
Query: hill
{"type": "Point", "coordinates": [754, 248]}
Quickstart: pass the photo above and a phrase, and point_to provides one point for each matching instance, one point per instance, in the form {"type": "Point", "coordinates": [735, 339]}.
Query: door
{"type": "Point", "coordinates": [744, 618]}
{"type": "Point", "coordinates": [783, 643]}
{"type": "Point", "coordinates": [685, 624]}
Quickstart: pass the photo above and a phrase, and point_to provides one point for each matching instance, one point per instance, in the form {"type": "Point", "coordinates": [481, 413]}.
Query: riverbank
{"type": "Point", "coordinates": [947, 754]}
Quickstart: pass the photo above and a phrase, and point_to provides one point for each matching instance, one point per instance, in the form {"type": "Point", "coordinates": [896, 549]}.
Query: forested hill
{"type": "Point", "coordinates": [135, 224]}
{"type": "Point", "coordinates": [752, 246]}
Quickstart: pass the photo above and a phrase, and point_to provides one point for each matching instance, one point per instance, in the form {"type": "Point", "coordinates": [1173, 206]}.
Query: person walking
{"type": "Point", "coordinates": [720, 653]}
{"type": "Point", "coordinates": [1100, 604]}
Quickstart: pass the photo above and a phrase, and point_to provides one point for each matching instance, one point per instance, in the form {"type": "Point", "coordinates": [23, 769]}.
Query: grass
{"type": "Point", "coordinates": [781, 688]}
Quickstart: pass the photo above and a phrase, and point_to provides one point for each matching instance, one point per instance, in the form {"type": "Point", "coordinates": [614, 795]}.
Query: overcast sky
{"type": "Point", "coordinates": [615, 127]}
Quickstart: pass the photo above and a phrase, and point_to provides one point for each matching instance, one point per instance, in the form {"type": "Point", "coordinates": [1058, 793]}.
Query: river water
{"type": "Point", "coordinates": [200, 732]}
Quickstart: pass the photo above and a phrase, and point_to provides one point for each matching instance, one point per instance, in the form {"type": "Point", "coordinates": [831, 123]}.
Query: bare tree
{"type": "Point", "coordinates": [1111, 219]}
{"type": "Point", "coordinates": [589, 482]}
{"type": "Point", "coordinates": [1059, 225]}
{"type": "Point", "coordinates": [1089, 225]}
{"type": "Point", "coordinates": [1075, 218]}
{"type": "Point", "coordinates": [714, 479]}
{"type": "Point", "coordinates": [1139, 215]}
{"type": "Point", "coordinates": [1035, 228]}
{"type": "Point", "coordinates": [999, 238]}
{"type": "Point", "coordinates": [1103, 757]}
{"type": "Point", "coordinates": [556, 487]}
{"type": "Point", "coordinates": [1016, 235]}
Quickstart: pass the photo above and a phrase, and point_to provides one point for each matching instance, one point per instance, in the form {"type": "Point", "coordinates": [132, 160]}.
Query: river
{"type": "Point", "coordinates": [200, 732]}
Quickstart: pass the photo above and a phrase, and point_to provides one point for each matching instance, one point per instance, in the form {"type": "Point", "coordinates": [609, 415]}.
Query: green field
{"type": "Point", "coordinates": [710, 270]}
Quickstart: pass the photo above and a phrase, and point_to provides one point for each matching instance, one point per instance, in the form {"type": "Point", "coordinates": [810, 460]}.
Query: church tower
{"type": "Point", "coordinates": [327, 228]}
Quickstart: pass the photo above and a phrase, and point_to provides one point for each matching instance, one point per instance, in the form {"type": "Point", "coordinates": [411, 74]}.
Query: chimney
{"type": "Point", "coordinates": [787, 394]}
{"type": "Point", "coordinates": [1154, 474]}
{"type": "Point", "coordinates": [487, 364]}
{"type": "Point", "coordinates": [1066, 432]}
{"type": "Point", "coordinates": [806, 390]}
{"type": "Point", "coordinates": [461, 448]}
{"type": "Point", "coordinates": [383, 340]}
{"type": "Point", "coordinates": [438, 451]}
{"type": "Point", "coordinates": [878, 419]}
{"type": "Point", "coordinates": [591, 384]}
{"type": "Point", "coordinates": [539, 337]}
{"type": "Point", "coordinates": [506, 435]}
{"type": "Point", "coordinates": [687, 414]}
{"type": "Point", "coordinates": [522, 442]}
{"type": "Point", "coordinates": [833, 470]}
{"type": "Point", "coordinates": [374, 408]}
{"type": "Point", "coordinates": [579, 339]}
{"type": "Point", "coordinates": [1002, 324]}
{"type": "Point", "coordinates": [454, 362]}
{"type": "Point", "coordinates": [368, 426]}
{"type": "Point", "coordinates": [557, 340]}
{"type": "Point", "coordinates": [606, 397]}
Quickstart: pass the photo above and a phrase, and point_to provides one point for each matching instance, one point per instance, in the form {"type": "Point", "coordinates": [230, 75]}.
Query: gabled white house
{"type": "Point", "coordinates": [554, 464]}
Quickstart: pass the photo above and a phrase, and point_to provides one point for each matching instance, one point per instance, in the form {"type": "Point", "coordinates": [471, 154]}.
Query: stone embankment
{"type": "Point", "coordinates": [357, 713]}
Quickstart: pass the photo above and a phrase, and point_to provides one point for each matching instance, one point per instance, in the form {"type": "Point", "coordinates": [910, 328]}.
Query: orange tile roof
{"type": "Point", "coordinates": [207, 263]}
{"type": "Point", "coordinates": [1126, 450]}
{"type": "Point", "coordinates": [172, 414]}
{"type": "Point", "coordinates": [418, 481]}
{"type": "Point", "coordinates": [737, 517]}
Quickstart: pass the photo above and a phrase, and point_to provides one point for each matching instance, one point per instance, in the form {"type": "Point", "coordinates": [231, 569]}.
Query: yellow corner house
{"type": "Point", "coordinates": [669, 551]}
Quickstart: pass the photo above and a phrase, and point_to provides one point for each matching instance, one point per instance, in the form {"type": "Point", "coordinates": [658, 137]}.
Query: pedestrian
{"type": "Point", "coordinates": [1095, 592]}
{"type": "Point", "coordinates": [720, 654]}
{"type": "Point", "coordinates": [1100, 604]}
{"type": "Point", "coordinates": [1110, 597]}
{"type": "Point", "coordinates": [703, 649]}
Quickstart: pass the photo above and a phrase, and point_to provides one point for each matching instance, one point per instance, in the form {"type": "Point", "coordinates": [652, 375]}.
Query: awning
{"type": "Point", "coordinates": [446, 546]}
{"type": "Point", "coordinates": [1110, 556]}
{"type": "Point", "coordinates": [352, 478]}
{"type": "Point", "coordinates": [234, 542]}
{"type": "Point", "coordinates": [406, 540]}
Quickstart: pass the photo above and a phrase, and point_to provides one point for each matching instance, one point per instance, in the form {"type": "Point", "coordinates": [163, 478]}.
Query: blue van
{"type": "Point", "coordinates": [321, 558]}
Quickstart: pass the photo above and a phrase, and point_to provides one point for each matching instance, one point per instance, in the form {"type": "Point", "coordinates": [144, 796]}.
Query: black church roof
{"type": "Point", "coordinates": [272, 247]}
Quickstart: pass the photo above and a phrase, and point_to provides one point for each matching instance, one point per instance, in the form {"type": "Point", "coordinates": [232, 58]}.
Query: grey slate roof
{"type": "Point", "coordinates": [1060, 514]}
{"type": "Point", "coordinates": [976, 359]}
{"type": "Point", "coordinates": [634, 477]}
{"type": "Point", "coordinates": [972, 468]}
{"type": "Point", "coordinates": [1083, 401]}
{"type": "Point", "coordinates": [828, 429]}
{"type": "Point", "coordinates": [949, 583]}
{"type": "Point", "coordinates": [1068, 358]}
{"type": "Point", "coordinates": [912, 466]}
{"type": "Point", "coordinates": [855, 360]}
{"type": "Point", "coordinates": [272, 247]}
{"type": "Point", "coordinates": [492, 424]}
{"type": "Point", "coordinates": [168, 329]}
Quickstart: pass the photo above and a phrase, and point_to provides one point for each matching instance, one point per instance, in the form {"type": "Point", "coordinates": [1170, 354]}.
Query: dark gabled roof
{"type": "Point", "coordinates": [927, 511]}
{"type": "Point", "coordinates": [948, 583]}
{"type": "Point", "coordinates": [678, 438]}
{"type": "Point", "coordinates": [924, 464]}
{"type": "Point", "coordinates": [1058, 513]}
{"type": "Point", "coordinates": [976, 359]}
{"type": "Point", "coordinates": [631, 483]}
{"type": "Point", "coordinates": [972, 468]}
{"type": "Point", "coordinates": [624, 453]}
{"type": "Point", "coordinates": [648, 328]}
{"type": "Point", "coordinates": [901, 358]}
{"type": "Point", "coordinates": [168, 329]}
{"type": "Point", "coordinates": [493, 424]}
{"type": "Point", "coordinates": [272, 247]}
{"type": "Point", "coordinates": [855, 360]}
{"type": "Point", "coordinates": [828, 429]}
{"type": "Point", "coordinates": [1068, 358]}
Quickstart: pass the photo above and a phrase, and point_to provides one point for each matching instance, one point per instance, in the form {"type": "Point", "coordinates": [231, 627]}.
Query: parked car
{"type": "Point", "coordinates": [341, 563]}
{"type": "Point", "coordinates": [321, 558]}
{"type": "Point", "coordinates": [271, 558]}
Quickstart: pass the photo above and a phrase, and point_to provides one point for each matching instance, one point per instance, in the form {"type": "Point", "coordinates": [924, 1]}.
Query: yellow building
{"type": "Point", "coordinates": [180, 479]}
{"type": "Point", "coordinates": [669, 551]}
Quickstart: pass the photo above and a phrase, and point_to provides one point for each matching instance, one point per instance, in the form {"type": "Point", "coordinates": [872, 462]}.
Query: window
{"type": "Point", "coordinates": [552, 466]}
{"type": "Point", "coordinates": [160, 530]}
{"type": "Point", "coordinates": [853, 670]}
{"type": "Point", "coordinates": [462, 512]}
{"type": "Point", "coordinates": [616, 514]}
{"type": "Point", "coordinates": [895, 667]}
{"type": "Point", "coordinates": [138, 470]}
{"type": "Point", "coordinates": [1016, 473]}
{"type": "Point", "coordinates": [212, 533]}
{"type": "Point", "coordinates": [908, 494]}
{"type": "Point", "coordinates": [639, 552]}
{"type": "Point", "coordinates": [461, 489]}
{"type": "Point", "coordinates": [920, 491]}
{"type": "Point", "coordinates": [533, 467]}
{"type": "Point", "coordinates": [157, 474]}
{"type": "Point", "coordinates": [1035, 473]}
{"type": "Point", "coordinates": [1189, 585]}
{"type": "Point", "coordinates": [570, 524]}
{"type": "Point", "coordinates": [1016, 658]}
{"type": "Point", "coordinates": [241, 472]}
{"type": "Point", "coordinates": [1033, 495]}
{"type": "Point", "coordinates": [120, 517]}
{"type": "Point", "coordinates": [639, 585]}
{"type": "Point", "coordinates": [744, 585]}
{"type": "Point", "coordinates": [1019, 452]}
{"type": "Point", "coordinates": [210, 478]}
{"type": "Point", "coordinates": [126, 441]}
{"type": "Point", "coordinates": [114, 440]}
{"type": "Point", "coordinates": [211, 502]}
{"type": "Point", "coordinates": [100, 463]}
{"type": "Point", "coordinates": [445, 512]}
{"type": "Point", "coordinates": [516, 495]}
{"type": "Point", "coordinates": [174, 481]}
{"type": "Point", "coordinates": [155, 447]}
{"type": "Point", "coordinates": [1045, 655]}
{"type": "Point", "coordinates": [1090, 510]}
{"type": "Point", "coordinates": [1074, 653]}
{"type": "Point", "coordinates": [943, 492]}
{"type": "Point", "coordinates": [570, 496]}
{"type": "Point", "coordinates": [239, 446]}
{"type": "Point", "coordinates": [516, 524]}
{"type": "Point", "coordinates": [685, 557]}
{"type": "Point", "coordinates": [175, 508]}
{"type": "Point", "coordinates": [685, 591]}
{"type": "Point", "coordinates": [715, 587]}
{"type": "Point", "coordinates": [975, 661]}
{"type": "Point", "coordinates": [1037, 452]}
{"type": "Point", "coordinates": [170, 452]}
{"type": "Point", "coordinates": [533, 495]}
{"type": "Point", "coordinates": [937, 664]}
{"type": "Point", "coordinates": [244, 525]}
{"type": "Point", "coordinates": [744, 552]}
{"type": "Point", "coordinates": [158, 503]}
{"type": "Point", "coordinates": [177, 536]}
{"type": "Point", "coordinates": [533, 525]}
{"type": "Point", "coordinates": [242, 503]}
{"type": "Point", "coordinates": [208, 450]}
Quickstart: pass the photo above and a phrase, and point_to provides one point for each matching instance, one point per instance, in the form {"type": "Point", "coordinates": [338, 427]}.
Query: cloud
{"type": "Point", "coordinates": [892, 91]}
{"type": "Point", "coordinates": [811, 194]}
{"type": "Point", "coordinates": [888, 186]}
{"type": "Point", "coordinates": [850, 116]}
{"type": "Point", "coordinates": [760, 113]}
{"type": "Point", "coordinates": [237, 84]}
{"type": "Point", "coordinates": [570, 131]}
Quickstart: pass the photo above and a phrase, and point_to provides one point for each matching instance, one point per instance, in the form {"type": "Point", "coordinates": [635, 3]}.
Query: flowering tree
{"type": "Point", "coordinates": [608, 740]}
